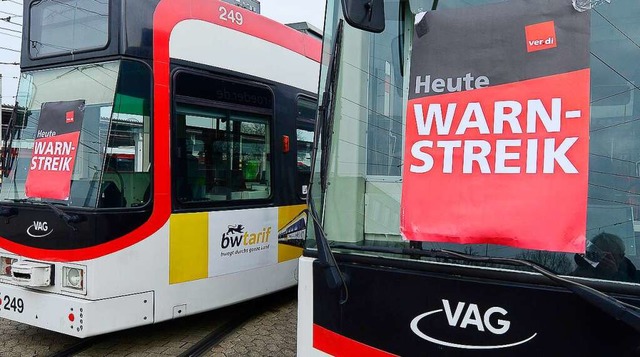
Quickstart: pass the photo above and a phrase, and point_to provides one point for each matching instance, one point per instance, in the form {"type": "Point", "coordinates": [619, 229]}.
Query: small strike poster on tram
{"type": "Point", "coordinates": [497, 134]}
{"type": "Point", "coordinates": [54, 150]}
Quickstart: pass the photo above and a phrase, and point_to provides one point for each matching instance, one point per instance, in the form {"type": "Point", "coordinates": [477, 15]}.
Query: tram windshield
{"type": "Point", "coordinates": [361, 203]}
{"type": "Point", "coordinates": [108, 164]}
{"type": "Point", "coordinates": [67, 26]}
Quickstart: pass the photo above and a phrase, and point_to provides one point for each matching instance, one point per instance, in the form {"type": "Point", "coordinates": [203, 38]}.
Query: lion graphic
{"type": "Point", "coordinates": [235, 229]}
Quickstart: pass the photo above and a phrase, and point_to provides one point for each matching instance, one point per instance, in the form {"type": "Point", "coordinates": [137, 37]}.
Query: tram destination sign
{"type": "Point", "coordinates": [497, 134]}
{"type": "Point", "coordinates": [54, 150]}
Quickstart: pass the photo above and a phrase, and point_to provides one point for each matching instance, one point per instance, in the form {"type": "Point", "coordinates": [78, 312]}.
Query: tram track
{"type": "Point", "coordinates": [78, 347]}
{"type": "Point", "coordinates": [218, 334]}
{"type": "Point", "coordinates": [198, 349]}
{"type": "Point", "coordinates": [194, 335]}
{"type": "Point", "coordinates": [247, 310]}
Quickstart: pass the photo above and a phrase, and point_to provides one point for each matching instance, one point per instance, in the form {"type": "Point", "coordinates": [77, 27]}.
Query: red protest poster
{"type": "Point", "coordinates": [497, 134]}
{"type": "Point", "coordinates": [54, 150]}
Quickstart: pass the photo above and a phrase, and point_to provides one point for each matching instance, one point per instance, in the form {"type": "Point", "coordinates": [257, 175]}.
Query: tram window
{"type": "Point", "coordinates": [221, 155]}
{"type": "Point", "coordinates": [222, 141]}
{"type": "Point", "coordinates": [112, 164]}
{"type": "Point", "coordinates": [614, 149]}
{"type": "Point", "coordinates": [127, 161]}
{"type": "Point", "coordinates": [307, 110]}
{"type": "Point", "coordinates": [67, 26]}
{"type": "Point", "coordinates": [385, 129]}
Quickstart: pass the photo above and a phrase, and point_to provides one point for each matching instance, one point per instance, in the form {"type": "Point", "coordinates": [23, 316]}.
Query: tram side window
{"type": "Point", "coordinates": [307, 110]}
{"type": "Point", "coordinates": [221, 147]}
{"type": "Point", "coordinates": [222, 155]}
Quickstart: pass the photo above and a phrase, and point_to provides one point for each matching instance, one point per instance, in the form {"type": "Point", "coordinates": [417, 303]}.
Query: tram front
{"type": "Point", "coordinates": [476, 180]}
{"type": "Point", "coordinates": [144, 179]}
{"type": "Point", "coordinates": [77, 163]}
{"type": "Point", "coordinates": [78, 145]}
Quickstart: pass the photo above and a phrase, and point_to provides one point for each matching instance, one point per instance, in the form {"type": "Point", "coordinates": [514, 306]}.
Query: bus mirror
{"type": "Point", "coordinates": [366, 15]}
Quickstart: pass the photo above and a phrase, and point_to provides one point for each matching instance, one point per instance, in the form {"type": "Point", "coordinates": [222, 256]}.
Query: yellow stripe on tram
{"type": "Point", "coordinates": [188, 247]}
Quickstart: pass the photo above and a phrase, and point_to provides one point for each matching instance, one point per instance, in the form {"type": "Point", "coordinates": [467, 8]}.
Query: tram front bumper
{"type": "Point", "coordinates": [74, 316]}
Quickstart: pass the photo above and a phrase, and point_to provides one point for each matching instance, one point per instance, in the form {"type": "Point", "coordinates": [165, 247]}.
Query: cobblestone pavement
{"type": "Point", "coordinates": [19, 340]}
{"type": "Point", "coordinates": [271, 333]}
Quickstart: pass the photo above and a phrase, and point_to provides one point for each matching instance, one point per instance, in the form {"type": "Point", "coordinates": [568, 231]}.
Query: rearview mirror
{"type": "Point", "coordinates": [367, 15]}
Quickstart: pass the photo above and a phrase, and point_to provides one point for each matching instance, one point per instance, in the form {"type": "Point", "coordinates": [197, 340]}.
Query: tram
{"type": "Point", "coordinates": [474, 184]}
{"type": "Point", "coordinates": [154, 163]}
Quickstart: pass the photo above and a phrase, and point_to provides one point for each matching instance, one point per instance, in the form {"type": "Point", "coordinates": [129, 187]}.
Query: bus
{"type": "Point", "coordinates": [154, 167]}
{"type": "Point", "coordinates": [475, 181]}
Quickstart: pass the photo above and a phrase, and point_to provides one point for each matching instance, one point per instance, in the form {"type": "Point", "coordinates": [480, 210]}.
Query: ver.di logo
{"type": "Point", "coordinates": [472, 316]}
{"type": "Point", "coordinates": [540, 36]}
{"type": "Point", "coordinates": [39, 229]}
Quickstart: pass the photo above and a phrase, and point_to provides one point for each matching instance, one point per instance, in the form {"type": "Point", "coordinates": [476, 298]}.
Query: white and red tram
{"type": "Point", "coordinates": [158, 162]}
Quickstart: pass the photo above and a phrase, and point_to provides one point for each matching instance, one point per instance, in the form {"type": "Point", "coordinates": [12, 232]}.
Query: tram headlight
{"type": "Point", "coordinates": [73, 277]}
{"type": "Point", "coordinates": [5, 265]}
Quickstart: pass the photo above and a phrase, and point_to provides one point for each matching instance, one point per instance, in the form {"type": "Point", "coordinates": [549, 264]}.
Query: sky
{"type": "Point", "coordinates": [10, 32]}
{"type": "Point", "coordinates": [284, 11]}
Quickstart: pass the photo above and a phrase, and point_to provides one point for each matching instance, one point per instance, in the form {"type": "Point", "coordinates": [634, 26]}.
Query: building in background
{"type": "Point", "coordinates": [6, 115]}
{"type": "Point", "coordinates": [307, 28]}
{"type": "Point", "coordinates": [253, 5]}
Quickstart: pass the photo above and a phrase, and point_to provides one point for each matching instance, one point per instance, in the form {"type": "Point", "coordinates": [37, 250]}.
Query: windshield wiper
{"type": "Point", "coordinates": [613, 307]}
{"type": "Point", "coordinates": [326, 110]}
{"type": "Point", "coordinates": [323, 130]}
{"type": "Point", "coordinates": [8, 142]}
{"type": "Point", "coordinates": [69, 219]}
{"type": "Point", "coordinates": [333, 275]}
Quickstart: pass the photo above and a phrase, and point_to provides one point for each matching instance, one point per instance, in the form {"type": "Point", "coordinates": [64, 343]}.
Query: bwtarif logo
{"type": "Point", "coordinates": [236, 237]}
{"type": "Point", "coordinates": [541, 36]}
{"type": "Point", "coordinates": [244, 239]}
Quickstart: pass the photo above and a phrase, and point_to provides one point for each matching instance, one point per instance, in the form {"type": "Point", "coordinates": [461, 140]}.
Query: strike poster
{"type": "Point", "coordinates": [54, 150]}
{"type": "Point", "coordinates": [497, 134]}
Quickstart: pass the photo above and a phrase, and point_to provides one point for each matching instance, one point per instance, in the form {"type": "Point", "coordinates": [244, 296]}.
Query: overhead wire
{"type": "Point", "coordinates": [79, 8]}
{"type": "Point", "coordinates": [10, 35]}
{"type": "Point", "coordinates": [10, 14]}
{"type": "Point", "coordinates": [8, 19]}
{"type": "Point", "coordinates": [9, 49]}
{"type": "Point", "coordinates": [614, 125]}
{"type": "Point", "coordinates": [11, 30]}
{"type": "Point", "coordinates": [617, 28]}
{"type": "Point", "coordinates": [12, 1]}
{"type": "Point", "coordinates": [612, 95]}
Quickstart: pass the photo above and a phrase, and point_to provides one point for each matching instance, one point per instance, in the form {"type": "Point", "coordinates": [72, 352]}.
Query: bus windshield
{"type": "Point", "coordinates": [108, 164]}
{"type": "Point", "coordinates": [361, 204]}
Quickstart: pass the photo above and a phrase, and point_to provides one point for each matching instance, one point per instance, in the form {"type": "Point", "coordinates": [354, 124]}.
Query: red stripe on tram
{"type": "Point", "coordinates": [340, 346]}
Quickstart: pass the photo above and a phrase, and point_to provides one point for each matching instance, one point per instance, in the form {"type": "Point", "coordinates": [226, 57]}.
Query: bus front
{"type": "Point", "coordinates": [476, 183]}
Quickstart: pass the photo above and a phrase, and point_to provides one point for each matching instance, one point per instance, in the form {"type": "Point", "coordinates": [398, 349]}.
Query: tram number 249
{"type": "Point", "coordinates": [12, 304]}
{"type": "Point", "coordinates": [231, 15]}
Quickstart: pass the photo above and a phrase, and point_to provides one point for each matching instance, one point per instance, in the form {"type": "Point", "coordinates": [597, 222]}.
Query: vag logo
{"type": "Point", "coordinates": [236, 237]}
{"type": "Point", "coordinates": [465, 315]}
{"type": "Point", "coordinates": [39, 229]}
